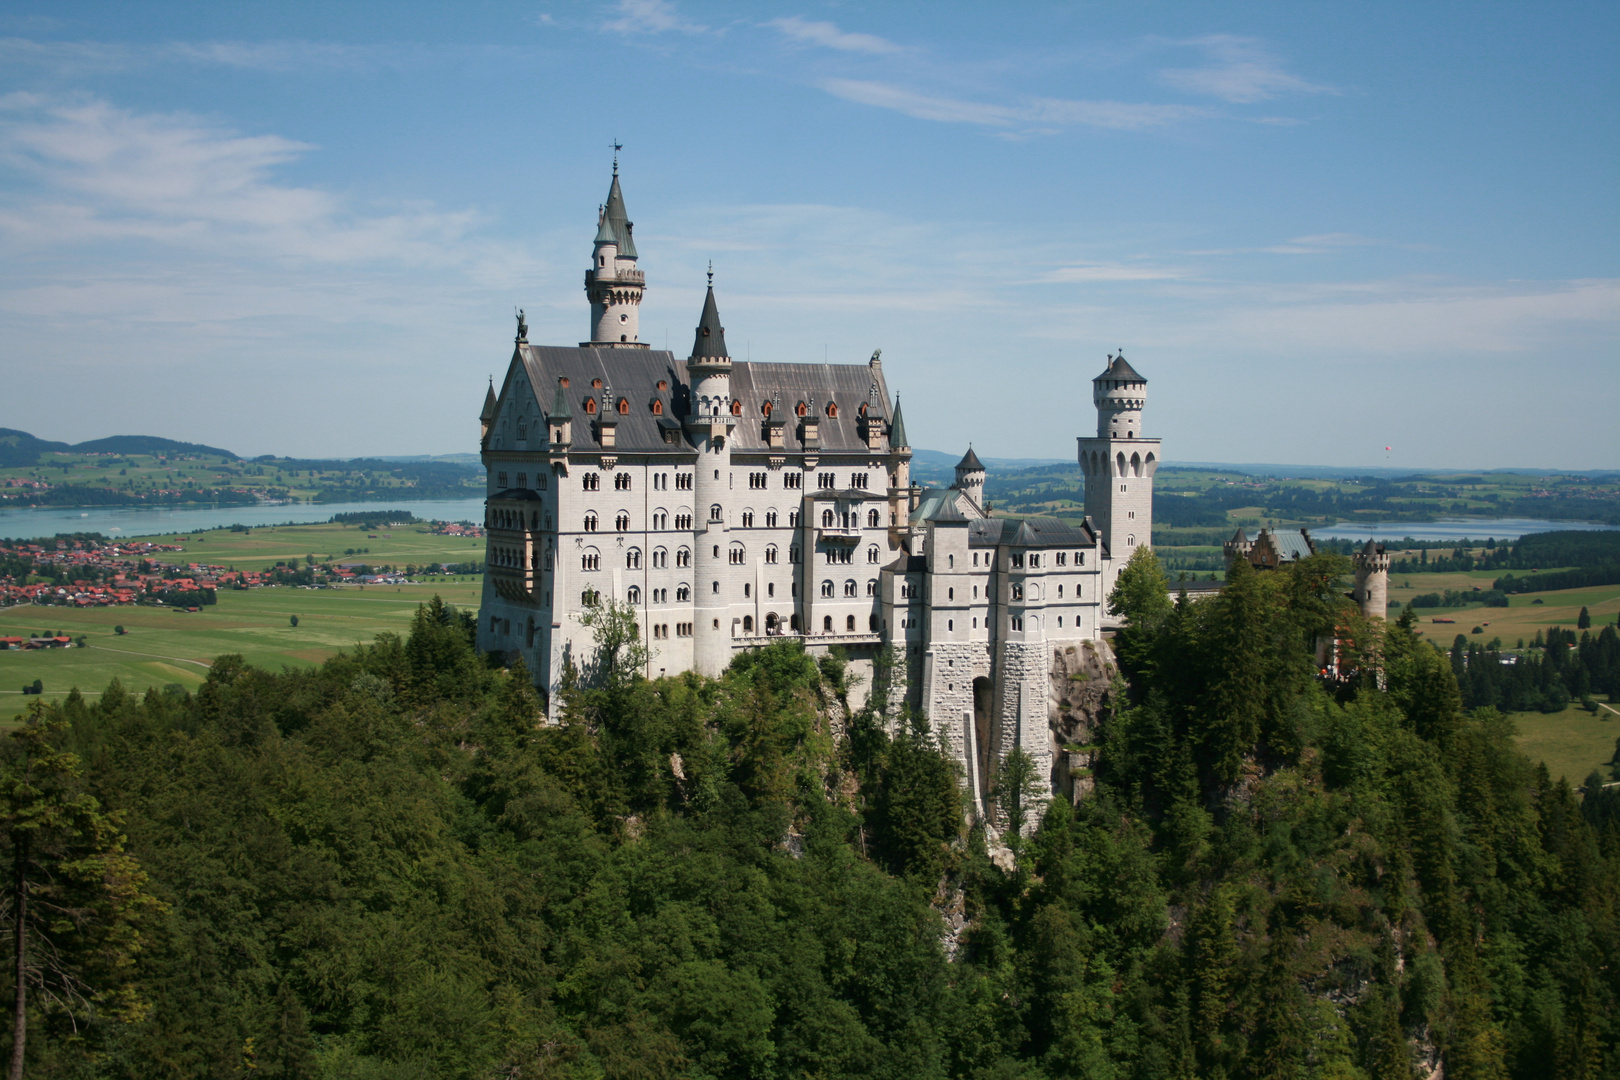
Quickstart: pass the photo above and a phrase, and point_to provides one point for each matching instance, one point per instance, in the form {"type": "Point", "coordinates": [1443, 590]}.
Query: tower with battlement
{"type": "Point", "coordinates": [1119, 463]}
{"type": "Point", "coordinates": [1372, 580]}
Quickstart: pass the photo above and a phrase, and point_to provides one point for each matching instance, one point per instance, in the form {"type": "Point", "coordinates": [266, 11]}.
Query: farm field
{"type": "Point", "coordinates": [163, 646]}
{"type": "Point", "coordinates": [1520, 619]}
{"type": "Point", "coordinates": [266, 546]}
{"type": "Point", "coordinates": [1572, 742]}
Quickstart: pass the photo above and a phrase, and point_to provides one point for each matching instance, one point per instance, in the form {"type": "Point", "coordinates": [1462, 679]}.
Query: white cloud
{"type": "Point", "coordinates": [99, 173]}
{"type": "Point", "coordinates": [650, 17]}
{"type": "Point", "coordinates": [829, 36]}
{"type": "Point", "coordinates": [1240, 71]}
{"type": "Point", "coordinates": [1039, 112]}
{"type": "Point", "coordinates": [1112, 272]}
{"type": "Point", "coordinates": [97, 57]}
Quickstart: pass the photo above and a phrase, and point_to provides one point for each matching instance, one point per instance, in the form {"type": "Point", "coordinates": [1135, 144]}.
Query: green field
{"type": "Point", "coordinates": [1572, 742]}
{"type": "Point", "coordinates": [163, 646]}
{"type": "Point", "coordinates": [264, 547]}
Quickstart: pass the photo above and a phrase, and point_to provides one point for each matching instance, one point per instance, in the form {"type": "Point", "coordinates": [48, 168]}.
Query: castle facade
{"type": "Point", "coordinates": [729, 503]}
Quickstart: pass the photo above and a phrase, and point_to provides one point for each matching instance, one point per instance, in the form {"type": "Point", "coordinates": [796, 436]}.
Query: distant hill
{"type": "Point", "coordinates": [147, 444]}
{"type": "Point", "coordinates": [21, 448]}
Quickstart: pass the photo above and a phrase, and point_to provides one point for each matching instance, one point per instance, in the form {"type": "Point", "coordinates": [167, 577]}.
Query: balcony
{"type": "Point", "coordinates": [840, 534]}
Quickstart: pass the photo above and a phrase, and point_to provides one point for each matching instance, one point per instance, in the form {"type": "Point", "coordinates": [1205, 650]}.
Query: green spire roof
{"type": "Point", "coordinates": [559, 407]}
{"type": "Point", "coordinates": [489, 403]}
{"type": "Point", "coordinates": [614, 217]}
{"type": "Point", "coordinates": [711, 336]}
{"type": "Point", "coordinates": [897, 429]}
{"type": "Point", "coordinates": [604, 229]}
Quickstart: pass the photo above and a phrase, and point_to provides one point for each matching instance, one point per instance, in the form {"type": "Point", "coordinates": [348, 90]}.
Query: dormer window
{"type": "Point", "coordinates": [657, 407]}
{"type": "Point", "coordinates": [765, 407]}
{"type": "Point", "coordinates": [590, 406]}
{"type": "Point", "coordinates": [663, 384]}
{"type": "Point", "coordinates": [596, 384]}
{"type": "Point", "coordinates": [736, 408]}
{"type": "Point", "coordinates": [801, 409]}
{"type": "Point", "coordinates": [832, 410]}
{"type": "Point", "coordinates": [624, 406]}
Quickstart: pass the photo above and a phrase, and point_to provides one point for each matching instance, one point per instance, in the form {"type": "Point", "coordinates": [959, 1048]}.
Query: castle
{"type": "Point", "coordinates": [729, 503]}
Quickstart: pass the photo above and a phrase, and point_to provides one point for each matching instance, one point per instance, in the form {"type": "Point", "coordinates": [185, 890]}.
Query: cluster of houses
{"type": "Point", "coordinates": [103, 575]}
{"type": "Point", "coordinates": [58, 641]}
{"type": "Point", "coordinates": [456, 528]}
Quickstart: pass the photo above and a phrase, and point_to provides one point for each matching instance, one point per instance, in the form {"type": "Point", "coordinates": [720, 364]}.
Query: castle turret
{"type": "Point", "coordinates": [970, 477]}
{"type": "Point", "coordinates": [1119, 464]}
{"type": "Point", "coordinates": [709, 425]}
{"type": "Point", "coordinates": [1372, 580]}
{"type": "Point", "coordinates": [1238, 547]}
{"type": "Point", "coordinates": [613, 282]}
{"type": "Point", "coordinates": [487, 417]}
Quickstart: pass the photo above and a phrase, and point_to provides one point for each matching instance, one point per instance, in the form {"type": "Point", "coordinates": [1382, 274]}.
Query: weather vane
{"type": "Point", "coordinates": [711, 273]}
{"type": "Point", "coordinates": [617, 146]}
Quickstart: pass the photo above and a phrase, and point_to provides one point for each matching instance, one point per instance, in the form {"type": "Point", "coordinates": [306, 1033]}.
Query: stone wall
{"type": "Point", "coordinates": [1081, 681]}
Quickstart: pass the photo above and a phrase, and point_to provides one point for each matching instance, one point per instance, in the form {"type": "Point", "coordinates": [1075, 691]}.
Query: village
{"type": "Point", "coordinates": [84, 573]}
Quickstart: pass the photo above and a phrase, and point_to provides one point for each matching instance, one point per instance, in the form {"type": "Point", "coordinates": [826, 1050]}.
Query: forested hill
{"type": "Point", "coordinates": [385, 868]}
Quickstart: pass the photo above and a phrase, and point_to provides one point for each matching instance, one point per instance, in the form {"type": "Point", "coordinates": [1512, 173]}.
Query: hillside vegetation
{"type": "Point", "coordinates": [386, 867]}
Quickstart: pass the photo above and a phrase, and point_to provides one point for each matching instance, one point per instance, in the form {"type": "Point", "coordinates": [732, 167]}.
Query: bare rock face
{"type": "Point", "coordinates": [1081, 693]}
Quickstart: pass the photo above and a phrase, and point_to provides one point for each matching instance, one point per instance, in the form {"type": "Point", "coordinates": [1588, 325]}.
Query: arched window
{"type": "Point", "coordinates": [826, 624]}
{"type": "Point", "coordinates": [770, 519]}
{"type": "Point", "coordinates": [849, 623]}
{"type": "Point", "coordinates": [737, 555]}
{"type": "Point", "coordinates": [590, 482]}
{"type": "Point", "coordinates": [871, 587]}
{"type": "Point", "coordinates": [872, 554]}
{"type": "Point", "coordinates": [748, 519]}
{"type": "Point", "coordinates": [621, 481]}
{"type": "Point", "coordinates": [590, 560]}
{"type": "Point", "coordinates": [874, 622]}
{"type": "Point", "coordinates": [683, 593]}
{"type": "Point", "coordinates": [632, 559]}
{"type": "Point", "coordinates": [660, 558]}
{"type": "Point", "coordinates": [622, 522]}
{"type": "Point", "coordinates": [748, 624]}
{"type": "Point", "coordinates": [826, 519]}
{"type": "Point", "coordinates": [793, 623]}
{"type": "Point", "coordinates": [793, 519]}
{"type": "Point", "coordinates": [872, 519]}
{"type": "Point", "coordinates": [770, 553]}
{"type": "Point", "coordinates": [596, 384]}
{"type": "Point", "coordinates": [1130, 541]}
{"type": "Point", "coordinates": [590, 522]}
{"type": "Point", "coordinates": [683, 557]}
{"type": "Point", "coordinates": [827, 589]}
{"type": "Point", "coordinates": [714, 512]}
{"type": "Point", "coordinates": [590, 598]}
{"type": "Point", "coordinates": [632, 595]}
{"type": "Point", "coordinates": [849, 588]}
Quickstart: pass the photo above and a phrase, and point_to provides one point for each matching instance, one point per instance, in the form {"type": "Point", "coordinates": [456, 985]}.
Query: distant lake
{"type": "Point", "coordinates": [1451, 529]}
{"type": "Point", "coordinates": [26, 522]}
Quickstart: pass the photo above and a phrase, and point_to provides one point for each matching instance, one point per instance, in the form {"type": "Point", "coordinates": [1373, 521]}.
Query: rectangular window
{"type": "Point", "coordinates": [523, 480]}
{"type": "Point", "coordinates": [792, 481]}
{"type": "Point", "coordinates": [683, 481]}
{"type": "Point", "coordinates": [826, 480]}
{"type": "Point", "coordinates": [857, 480]}
{"type": "Point", "coordinates": [500, 480]}
{"type": "Point", "coordinates": [1130, 514]}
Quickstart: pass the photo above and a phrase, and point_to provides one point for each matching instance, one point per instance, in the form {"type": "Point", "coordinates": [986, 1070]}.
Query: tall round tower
{"type": "Point", "coordinates": [1372, 580]}
{"type": "Point", "coordinates": [1119, 464]}
{"type": "Point", "coordinates": [709, 424]}
{"type": "Point", "coordinates": [613, 283]}
{"type": "Point", "coordinates": [970, 477]}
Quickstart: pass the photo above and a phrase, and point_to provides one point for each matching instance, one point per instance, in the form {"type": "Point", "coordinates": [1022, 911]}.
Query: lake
{"type": "Point", "coordinates": [24, 522]}
{"type": "Point", "coordinates": [1450, 529]}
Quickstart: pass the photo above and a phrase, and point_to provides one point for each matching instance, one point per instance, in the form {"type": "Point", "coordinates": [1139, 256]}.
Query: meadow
{"type": "Point", "coordinates": [1572, 743]}
{"type": "Point", "coordinates": [161, 646]}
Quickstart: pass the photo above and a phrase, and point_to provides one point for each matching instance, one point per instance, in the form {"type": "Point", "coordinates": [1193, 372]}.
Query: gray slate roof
{"type": "Point", "coordinates": [1291, 545]}
{"type": "Point", "coordinates": [711, 336]}
{"type": "Point", "coordinates": [1035, 532]}
{"type": "Point", "coordinates": [970, 462]}
{"type": "Point", "coordinates": [620, 221]}
{"type": "Point", "coordinates": [897, 431]}
{"type": "Point", "coordinates": [1120, 371]}
{"type": "Point", "coordinates": [634, 374]}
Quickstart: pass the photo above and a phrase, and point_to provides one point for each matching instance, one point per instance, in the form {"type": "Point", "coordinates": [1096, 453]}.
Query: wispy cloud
{"type": "Point", "coordinates": [829, 36]}
{"type": "Point", "coordinates": [1240, 71]}
{"type": "Point", "coordinates": [651, 17]}
{"type": "Point", "coordinates": [78, 57]}
{"type": "Point", "coordinates": [1037, 112]}
{"type": "Point", "coordinates": [1100, 272]}
{"type": "Point", "coordinates": [92, 172]}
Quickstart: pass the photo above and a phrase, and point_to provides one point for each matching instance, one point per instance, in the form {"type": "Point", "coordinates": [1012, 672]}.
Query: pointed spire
{"type": "Point", "coordinates": [615, 218]}
{"type": "Point", "coordinates": [711, 336]}
{"type": "Point", "coordinates": [897, 428]}
{"type": "Point", "coordinates": [489, 402]}
{"type": "Point", "coordinates": [604, 229]}
{"type": "Point", "coordinates": [970, 462]}
{"type": "Point", "coordinates": [560, 409]}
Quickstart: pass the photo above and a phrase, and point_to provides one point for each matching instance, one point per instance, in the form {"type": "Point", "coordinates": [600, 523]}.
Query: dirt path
{"type": "Point", "coordinates": [155, 656]}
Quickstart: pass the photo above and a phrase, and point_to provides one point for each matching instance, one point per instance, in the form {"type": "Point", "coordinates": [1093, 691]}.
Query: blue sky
{"type": "Point", "coordinates": [1318, 229]}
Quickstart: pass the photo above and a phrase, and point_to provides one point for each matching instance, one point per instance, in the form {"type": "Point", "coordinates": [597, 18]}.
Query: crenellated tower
{"type": "Point", "coordinates": [1372, 580]}
{"type": "Point", "coordinates": [613, 283]}
{"type": "Point", "coordinates": [1119, 464]}
{"type": "Point", "coordinates": [709, 424]}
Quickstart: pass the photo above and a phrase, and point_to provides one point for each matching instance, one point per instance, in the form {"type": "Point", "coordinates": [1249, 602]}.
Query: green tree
{"type": "Point", "coordinates": [72, 895]}
{"type": "Point", "coordinates": [621, 654]}
{"type": "Point", "coordinates": [293, 620]}
{"type": "Point", "coordinates": [1584, 620]}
